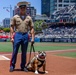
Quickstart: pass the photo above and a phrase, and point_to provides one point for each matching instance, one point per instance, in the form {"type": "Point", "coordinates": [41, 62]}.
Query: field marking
{"type": "Point", "coordinates": [2, 57]}
{"type": "Point", "coordinates": [5, 57]}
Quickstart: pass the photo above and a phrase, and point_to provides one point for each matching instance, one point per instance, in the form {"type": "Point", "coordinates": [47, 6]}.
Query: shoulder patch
{"type": "Point", "coordinates": [16, 16]}
{"type": "Point", "coordinates": [28, 16]}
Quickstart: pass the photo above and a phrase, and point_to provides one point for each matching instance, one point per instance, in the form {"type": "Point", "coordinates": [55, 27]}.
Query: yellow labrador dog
{"type": "Point", "coordinates": [37, 62]}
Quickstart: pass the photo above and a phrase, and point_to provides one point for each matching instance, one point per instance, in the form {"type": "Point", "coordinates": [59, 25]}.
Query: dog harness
{"type": "Point", "coordinates": [41, 62]}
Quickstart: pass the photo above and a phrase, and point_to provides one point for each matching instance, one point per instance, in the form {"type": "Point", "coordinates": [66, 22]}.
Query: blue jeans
{"type": "Point", "coordinates": [19, 39]}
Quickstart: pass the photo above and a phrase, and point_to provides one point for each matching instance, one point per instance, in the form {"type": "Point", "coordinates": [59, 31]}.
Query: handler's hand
{"type": "Point", "coordinates": [12, 40]}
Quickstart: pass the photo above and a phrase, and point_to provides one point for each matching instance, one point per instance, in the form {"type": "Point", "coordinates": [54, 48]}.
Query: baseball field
{"type": "Point", "coordinates": [60, 59]}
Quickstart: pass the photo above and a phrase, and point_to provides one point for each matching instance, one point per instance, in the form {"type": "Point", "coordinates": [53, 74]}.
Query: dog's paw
{"type": "Point", "coordinates": [36, 72]}
{"type": "Point", "coordinates": [46, 71]}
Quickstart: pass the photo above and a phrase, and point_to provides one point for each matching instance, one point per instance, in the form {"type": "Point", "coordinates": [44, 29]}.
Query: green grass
{"type": "Point", "coordinates": [7, 47]}
{"type": "Point", "coordinates": [48, 48]}
{"type": "Point", "coordinates": [68, 54]}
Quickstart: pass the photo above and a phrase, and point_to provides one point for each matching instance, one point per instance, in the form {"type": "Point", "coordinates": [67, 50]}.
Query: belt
{"type": "Point", "coordinates": [22, 33]}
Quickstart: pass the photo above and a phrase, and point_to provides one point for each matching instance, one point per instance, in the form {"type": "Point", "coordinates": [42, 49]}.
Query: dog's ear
{"type": "Point", "coordinates": [44, 52]}
{"type": "Point", "coordinates": [39, 52]}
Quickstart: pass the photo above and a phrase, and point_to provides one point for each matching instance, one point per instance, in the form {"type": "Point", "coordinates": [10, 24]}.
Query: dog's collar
{"type": "Point", "coordinates": [40, 58]}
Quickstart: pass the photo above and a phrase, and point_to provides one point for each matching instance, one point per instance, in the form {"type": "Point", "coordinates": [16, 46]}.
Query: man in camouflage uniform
{"type": "Point", "coordinates": [22, 23]}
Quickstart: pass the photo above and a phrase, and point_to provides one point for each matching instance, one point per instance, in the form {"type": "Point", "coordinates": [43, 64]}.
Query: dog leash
{"type": "Point", "coordinates": [31, 48]}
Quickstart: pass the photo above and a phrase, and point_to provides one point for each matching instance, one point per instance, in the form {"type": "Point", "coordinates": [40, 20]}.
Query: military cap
{"type": "Point", "coordinates": [22, 4]}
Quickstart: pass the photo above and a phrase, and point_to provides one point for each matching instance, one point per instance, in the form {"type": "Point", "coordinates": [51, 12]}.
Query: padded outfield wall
{"type": "Point", "coordinates": [58, 40]}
